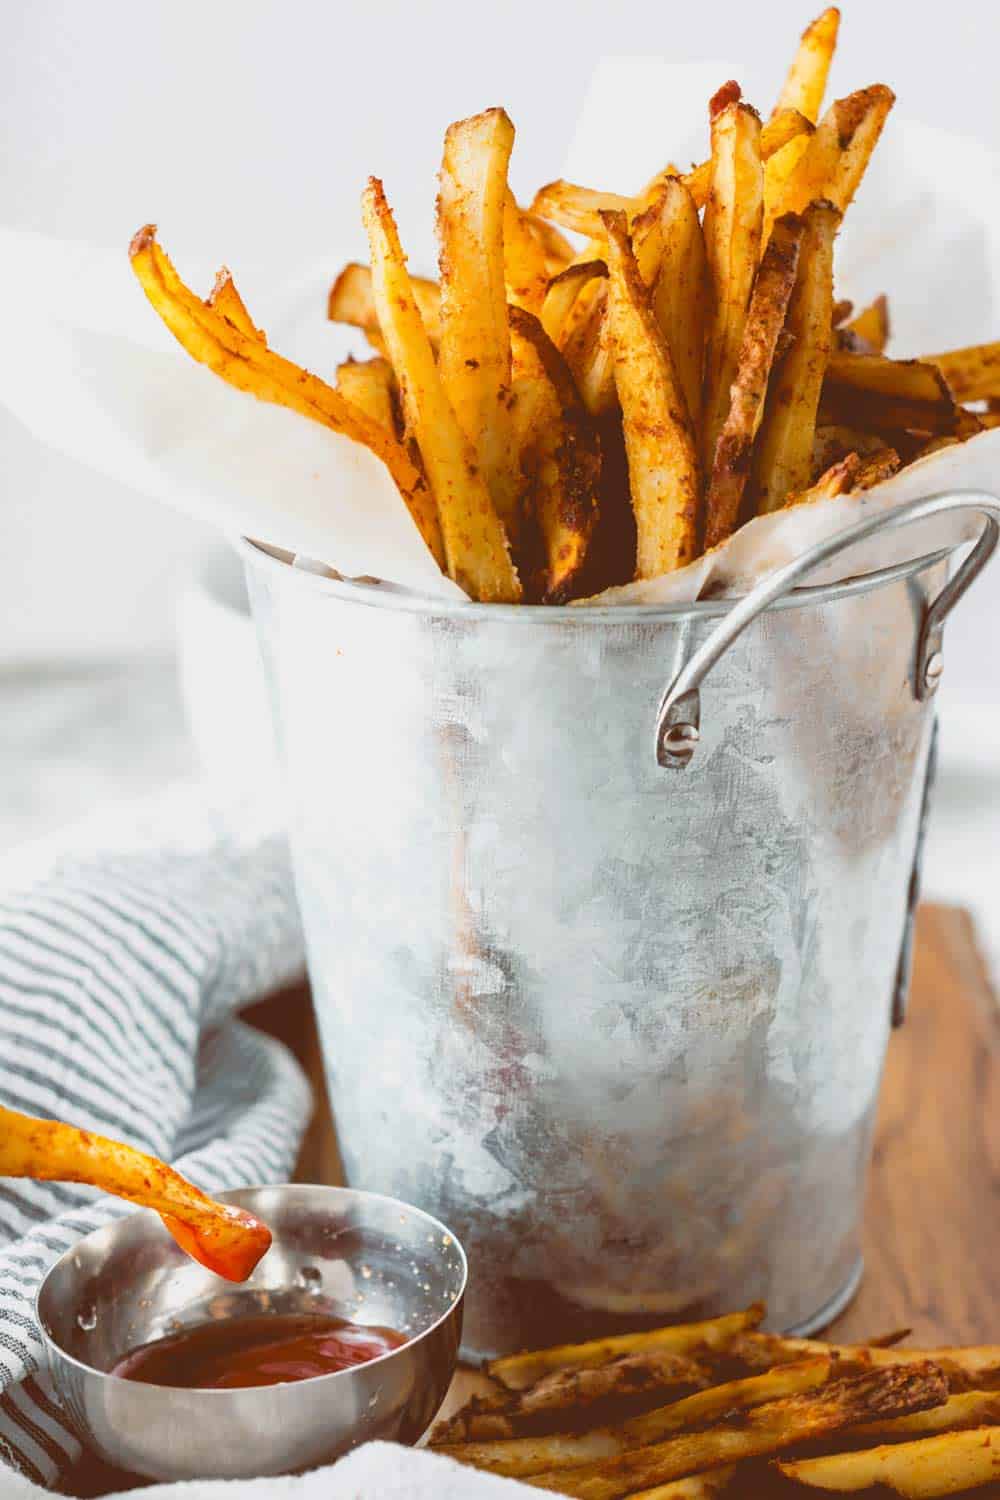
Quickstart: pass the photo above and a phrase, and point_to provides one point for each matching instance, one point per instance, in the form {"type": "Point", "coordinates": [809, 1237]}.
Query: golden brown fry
{"type": "Point", "coordinates": [888, 394]}
{"type": "Point", "coordinates": [833, 442]}
{"type": "Point", "coordinates": [369, 385]}
{"type": "Point", "coordinates": [765, 320]}
{"type": "Point", "coordinates": [226, 300]}
{"type": "Point", "coordinates": [474, 356]}
{"type": "Point", "coordinates": [474, 540]}
{"type": "Point", "coordinates": [946, 1465]}
{"type": "Point", "coordinates": [761, 1431]}
{"type": "Point", "coordinates": [966, 1367]}
{"type": "Point", "coordinates": [695, 1487]}
{"type": "Point", "coordinates": [518, 1371]}
{"type": "Point", "coordinates": [783, 128]}
{"type": "Point", "coordinates": [578, 208]}
{"type": "Point", "coordinates": [250, 366]}
{"type": "Point", "coordinates": [783, 455]}
{"type": "Point", "coordinates": [525, 1456]}
{"type": "Point", "coordinates": [966, 1409]}
{"type": "Point", "coordinates": [562, 293]}
{"type": "Point", "coordinates": [351, 301]}
{"type": "Point", "coordinates": [526, 263]}
{"type": "Point", "coordinates": [563, 459]}
{"type": "Point", "coordinates": [848, 475]}
{"type": "Point", "coordinates": [732, 228]}
{"type": "Point", "coordinates": [871, 326]}
{"type": "Point", "coordinates": [680, 292]}
{"type": "Point", "coordinates": [558, 250]}
{"type": "Point", "coordinates": [590, 355]}
{"type": "Point", "coordinates": [972, 374]}
{"type": "Point", "coordinates": [229, 1241]}
{"type": "Point", "coordinates": [839, 151]}
{"type": "Point", "coordinates": [806, 82]}
{"type": "Point", "coordinates": [663, 469]}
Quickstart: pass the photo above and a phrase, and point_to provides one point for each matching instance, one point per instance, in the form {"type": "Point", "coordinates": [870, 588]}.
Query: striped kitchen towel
{"type": "Point", "coordinates": [124, 952]}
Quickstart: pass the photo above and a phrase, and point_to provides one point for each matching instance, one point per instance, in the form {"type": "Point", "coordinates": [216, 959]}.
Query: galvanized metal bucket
{"type": "Point", "coordinates": [607, 986]}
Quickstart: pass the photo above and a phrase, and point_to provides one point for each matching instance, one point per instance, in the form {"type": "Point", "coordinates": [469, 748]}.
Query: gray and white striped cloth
{"type": "Point", "coordinates": [124, 953]}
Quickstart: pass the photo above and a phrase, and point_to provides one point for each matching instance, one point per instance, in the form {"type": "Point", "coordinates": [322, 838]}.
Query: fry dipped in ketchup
{"type": "Point", "coordinates": [227, 1240]}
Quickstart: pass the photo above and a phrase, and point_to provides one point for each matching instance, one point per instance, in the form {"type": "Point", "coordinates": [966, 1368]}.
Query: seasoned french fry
{"type": "Point", "coordinates": [526, 265]}
{"type": "Point", "coordinates": [871, 326]}
{"type": "Point", "coordinates": [732, 229]}
{"type": "Point", "coordinates": [761, 1431]}
{"type": "Point", "coordinates": [518, 1371]}
{"type": "Point", "coordinates": [563, 291]}
{"type": "Point", "coordinates": [783, 454]}
{"type": "Point", "coordinates": [520, 1457]}
{"type": "Point", "coordinates": [351, 301]}
{"type": "Point", "coordinates": [849, 474]}
{"type": "Point", "coordinates": [474, 356]}
{"type": "Point", "coordinates": [839, 151]}
{"type": "Point", "coordinates": [558, 250]}
{"type": "Point", "coordinates": [680, 292]}
{"type": "Point", "coordinates": [695, 1487]}
{"type": "Point", "coordinates": [968, 1367]}
{"type": "Point", "coordinates": [226, 300]}
{"type": "Point", "coordinates": [246, 363]}
{"type": "Point", "coordinates": [578, 208]}
{"type": "Point", "coordinates": [765, 320]}
{"type": "Point", "coordinates": [368, 384]}
{"type": "Point", "coordinates": [944, 1465]}
{"type": "Point", "coordinates": [663, 464]}
{"type": "Point", "coordinates": [590, 355]}
{"type": "Point", "coordinates": [834, 442]}
{"type": "Point", "coordinates": [475, 544]}
{"type": "Point", "coordinates": [889, 394]}
{"type": "Point", "coordinates": [564, 459]}
{"type": "Point", "coordinates": [783, 128]}
{"type": "Point", "coordinates": [806, 82]}
{"type": "Point", "coordinates": [972, 374]}
{"type": "Point", "coordinates": [966, 1409]}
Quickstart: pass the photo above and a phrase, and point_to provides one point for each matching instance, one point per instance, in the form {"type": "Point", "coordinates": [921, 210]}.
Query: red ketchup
{"type": "Point", "coordinates": [265, 1349]}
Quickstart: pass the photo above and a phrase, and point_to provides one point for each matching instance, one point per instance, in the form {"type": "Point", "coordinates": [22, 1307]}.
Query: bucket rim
{"type": "Point", "coordinates": [375, 594]}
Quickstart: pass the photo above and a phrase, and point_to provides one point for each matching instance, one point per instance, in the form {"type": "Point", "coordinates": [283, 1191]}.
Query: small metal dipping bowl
{"type": "Point", "coordinates": [358, 1255]}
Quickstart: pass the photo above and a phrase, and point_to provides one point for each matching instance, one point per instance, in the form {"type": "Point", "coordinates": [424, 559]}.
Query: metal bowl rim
{"type": "Point", "coordinates": [369, 594]}
{"type": "Point", "coordinates": [232, 1196]}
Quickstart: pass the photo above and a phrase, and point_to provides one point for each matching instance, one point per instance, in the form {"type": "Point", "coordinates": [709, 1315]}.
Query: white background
{"type": "Point", "coordinates": [247, 129]}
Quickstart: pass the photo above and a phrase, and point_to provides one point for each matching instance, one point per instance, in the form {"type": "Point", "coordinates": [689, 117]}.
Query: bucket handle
{"type": "Point", "coordinates": [679, 716]}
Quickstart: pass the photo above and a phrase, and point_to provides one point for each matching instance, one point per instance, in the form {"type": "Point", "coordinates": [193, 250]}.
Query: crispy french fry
{"type": "Point", "coordinates": [525, 1456]}
{"type": "Point", "coordinates": [590, 355]}
{"type": "Point", "coordinates": [578, 208]}
{"type": "Point", "coordinates": [518, 1371]}
{"type": "Point", "coordinates": [765, 320]}
{"type": "Point", "coordinates": [888, 394]}
{"type": "Point", "coordinates": [368, 384]}
{"type": "Point", "coordinates": [475, 544]}
{"type": "Point", "coordinates": [967, 1367]}
{"type": "Point", "coordinates": [839, 151]}
{"type": "Point", "coordinates": [806, 82]}
{"type": "Point", "coordinates": [562, 293]}
{"type": "Point", "coordinates": [972, 374]}
{"type": "Point", "coordinates": [732, 231]}
{"type": "Point", "coordinates": [229, 1241]}
{"type": "Point", "coordinates": [965, 1409]}
{"type": "Point", "coordinates": [663, 465]}
{"type": "Point", "coordinates": [783, 128]}
{"type": "Point", "coordinates": [564, 460]}
{"type": "Point", "coordinates": [834, 442]}
{"type": "Point", "coordinates": [761, 1431]}
{"type": "Point", "coordinates": [849, 474]}
{"type": "Point", "coordinates": [871, 326]}
{"type": "Point", "coordinates": [351, 301]}
{"type": "Point", "coordinates": [226, 300]}
{"type": "Point", "coordinates": [246, 363]}
{"type": "Point", "coordinates": [680, 292]}
{"type": "Point", "coordinates": [474, 356]}
{"type": "Point", "coordinates": [695, 1487]}
{"type": "Point", "coordinates": [783, 454]}
{"type": "Point", "coordinates": [558, 250]}
{"type": "Point", "coordinates": [526, 264]}
{"type": "Point", "coordinates": [946, 1465]}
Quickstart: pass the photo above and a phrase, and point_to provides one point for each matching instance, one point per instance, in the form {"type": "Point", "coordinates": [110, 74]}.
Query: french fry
{"type": "Point", "coordinates": [805, 84]}
{"type": "Point", "coordinates": [518, 1371]}
{"type": "Point", "coordinates": [732, 229]}
{"type": "Point", "coordinates": [368, 384]}
{"type": "Point", "coordinates": [761, 1431]}
{"type": "Point", "coordinates": [558, 250]}
{"type": "Point", "coordinates": [695, 1487]}
{"type": "Point", "coordinates": [946, 1465]}
{"type": "Point", "coordinates": [226, 300]}
{"type": "Point", "coordinates": [351, 301]}
{"type": "Point", "coordinates": [663, 464]}
{"type": "Point", "coordinates": [784, 127]}
{"type": "Point", "coordinates": [833, 442]}
{"type": "Point", "coordinates": [765, 319]}
{"type": "Point", "coordinates": [972, 374]}
{"type": "Point", "coordinates": [783, 454]}
{"type": "Point", "coordinates": [564, 458]}
{"type": "Point", "coordinates": [590, 355]}
{"type": "Point", "coordinates": [475, 543]}
{"type": "Point", "coordinates": [561, 296]}
{"type": "Point", "coordinates": [579, 208]}
{"type": "Point", "coordinates": [968, 1367]}
{"type": "Point", "coordinates": [474, 355]}
{"type": "Point", "coordinates": [871, 326]}
{"type": "Point", "coordinates": [849, 474]}
{"type": "Point", "coordinates": [525, 1456]}
{"type": "Point", "coordinates": [526, 264]}
{"type": "Point", "coordinates": [966, 1409]}
{"type": "Point", "coordinates": [889, 394]}
{"type": "Point", "coordinates": [839, 151]}
{"type": "Point", "coordinates": [246, 363]}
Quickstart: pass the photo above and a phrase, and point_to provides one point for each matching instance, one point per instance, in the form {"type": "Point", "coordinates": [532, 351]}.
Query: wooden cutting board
{"type": "Point", "coordinates": [932, 1227]}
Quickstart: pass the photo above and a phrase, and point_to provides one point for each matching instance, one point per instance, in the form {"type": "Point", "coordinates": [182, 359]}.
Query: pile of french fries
{"type": "Point", "coordinates": [717, 1408]}
{"type": "Point", "coordinates": [562, 415]}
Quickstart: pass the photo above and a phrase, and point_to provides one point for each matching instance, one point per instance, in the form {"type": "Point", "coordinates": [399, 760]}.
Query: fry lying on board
{"type": "Point", "coordinates": [829, 1416]}
{"type": "Point", "coordinates": [227, 1240]}
{"type": "Point", "coordinates": [692, 327]}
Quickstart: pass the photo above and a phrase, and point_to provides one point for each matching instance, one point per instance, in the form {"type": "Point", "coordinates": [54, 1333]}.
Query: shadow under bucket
{"type": "Point", "coordinates": [608, 986]}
